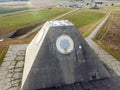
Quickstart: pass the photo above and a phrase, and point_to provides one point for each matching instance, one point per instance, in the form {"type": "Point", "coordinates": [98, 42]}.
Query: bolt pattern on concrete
{"type": "Point", "coordinates": [11, 69]}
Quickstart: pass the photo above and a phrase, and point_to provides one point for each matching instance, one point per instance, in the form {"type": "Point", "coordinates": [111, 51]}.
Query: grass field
{"type": "Point", "coordinates": [9, 10]}
{"type": "Point", "coordinates": [85, 17]}
{"type": "Point", "coordinates": [109, 35]}
{"type": "Point", "coordinates": [14, 22]}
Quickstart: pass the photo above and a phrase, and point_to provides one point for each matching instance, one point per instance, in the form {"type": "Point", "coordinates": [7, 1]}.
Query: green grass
{"type": "Point", "coordinates": [11, 23]}
{"type": "Point", "coordinates": [84, 17]}
{"type": "Point", "coordinates": [89, 30]}
{"type": "Point", "coordinates": [9, 10]}
{"type": "Point", "coordinates": [3, 53]}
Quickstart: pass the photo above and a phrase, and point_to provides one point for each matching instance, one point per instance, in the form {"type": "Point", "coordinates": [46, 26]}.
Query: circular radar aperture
{"type": "Point", "coordinates": [64, 44]}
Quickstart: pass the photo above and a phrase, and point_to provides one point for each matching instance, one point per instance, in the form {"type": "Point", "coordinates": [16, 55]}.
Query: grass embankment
{"type": "Point", "coordinates": [14, 22]}
{"type": "Point", "coordinates": [109, 36]}
{"type": "Point", "coordinates": [4, 10]}
{"type": "Point", "coordinates": [5, 44]}
{"type": "Point", "coordinates": [85, 19]}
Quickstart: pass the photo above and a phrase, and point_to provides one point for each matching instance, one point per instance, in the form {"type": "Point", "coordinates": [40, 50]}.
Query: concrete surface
{"type": "Point", "coordinates": [12, 68]}
{"type": "Point", "coordinates": [64, 59]}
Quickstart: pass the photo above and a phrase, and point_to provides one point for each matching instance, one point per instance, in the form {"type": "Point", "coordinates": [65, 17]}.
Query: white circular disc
{"type": "Point", "coordinates": [65, 44]}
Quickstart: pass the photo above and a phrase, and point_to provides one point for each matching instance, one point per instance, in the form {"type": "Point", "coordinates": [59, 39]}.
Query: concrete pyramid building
{"type": "Point", "coordinates": [58, 55]}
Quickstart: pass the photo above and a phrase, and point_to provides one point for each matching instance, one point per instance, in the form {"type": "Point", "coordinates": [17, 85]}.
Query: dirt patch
{"type": "Point", "coordinates": [84, 28]}
{"type": "Point", "coordinates": [19, 32]}
{"type": "Point", "coordinates": [112, 38]}
{"type": "Point", "coordinates": [23, 30]}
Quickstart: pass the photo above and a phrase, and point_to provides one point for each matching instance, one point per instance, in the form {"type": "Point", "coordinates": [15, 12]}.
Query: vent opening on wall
{"type": "Point", "coordinates": [93, 76]}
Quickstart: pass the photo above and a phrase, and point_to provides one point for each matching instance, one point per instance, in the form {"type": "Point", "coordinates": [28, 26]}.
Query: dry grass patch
{"type": "Point", "coordinates": [109, 36]}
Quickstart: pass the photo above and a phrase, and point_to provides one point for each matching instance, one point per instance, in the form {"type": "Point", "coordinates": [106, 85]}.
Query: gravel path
{"type": "Point", "coordinates": [104, 56]}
